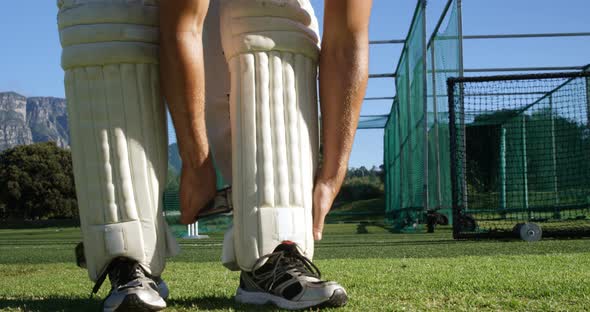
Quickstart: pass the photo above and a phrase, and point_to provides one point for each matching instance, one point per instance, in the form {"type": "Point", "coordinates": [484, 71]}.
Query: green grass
{"type": "Point", "coordinates": [381, 272]}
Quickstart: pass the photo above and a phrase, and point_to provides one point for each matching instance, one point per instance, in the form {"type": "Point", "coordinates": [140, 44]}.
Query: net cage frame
{"type": "Point", "coordinates": [466, 225]}
{"type": "Point", "coordinates": [428, 194]}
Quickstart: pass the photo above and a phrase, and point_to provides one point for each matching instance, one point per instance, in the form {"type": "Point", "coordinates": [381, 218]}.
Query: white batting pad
{"type": "Point", "coordinates": [272, 49]}
{"type": "Point", "coordinates": [118, 129]}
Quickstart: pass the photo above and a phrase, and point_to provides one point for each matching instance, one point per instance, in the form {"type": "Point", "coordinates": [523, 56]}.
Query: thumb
{"type": "Point", "coordinates": [318, 224]}
{"type": "Point", "coordinates": [322, 200]}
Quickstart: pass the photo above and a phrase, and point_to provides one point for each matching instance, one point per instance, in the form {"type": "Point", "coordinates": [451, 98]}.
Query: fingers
{"type": "Point", "coordinates": [323, 196]}
{"type": "Point", "coordinates": [188, 212]}
{"type": "Point", "coordinates": [197, 188]}
{"type": "Point", "coordinates": [318, 222]}
{"type": "Point", "coordinates": [187, 217]}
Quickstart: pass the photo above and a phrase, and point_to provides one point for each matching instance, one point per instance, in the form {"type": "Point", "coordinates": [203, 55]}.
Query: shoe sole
{"type": "Point", "coordinates": [132, 303]}
{"type": "Point", "coordinates": [338, 299]}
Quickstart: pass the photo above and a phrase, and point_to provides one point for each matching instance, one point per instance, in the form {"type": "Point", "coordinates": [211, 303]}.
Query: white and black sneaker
{"type": "Point", "coordinates": [290, 281]}
{"type": "Point", "coordinates": [132, 289]}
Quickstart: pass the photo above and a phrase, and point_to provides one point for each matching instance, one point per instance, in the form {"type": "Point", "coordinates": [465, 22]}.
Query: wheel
{"type": "Point", "coordinates": [442, 219]}
{"type": "Point", "coordinates": [530, 232]}
{"type": "Point", "coordinates": [468, 223]}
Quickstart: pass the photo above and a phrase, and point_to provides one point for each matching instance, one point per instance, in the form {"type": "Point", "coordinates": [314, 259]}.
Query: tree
{"type": "Point", "coordinates": [37, 182]}
{"type": "Point", "coordinates": [360, 184]}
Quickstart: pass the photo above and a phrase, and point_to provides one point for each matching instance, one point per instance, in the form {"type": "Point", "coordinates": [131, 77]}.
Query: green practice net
{"type": "Point", "coordinates": [404, 133]}
{"type": "Point", "coordinates": [443, 61]}
{"type": "Point", "coordinates": [417, 154]}
{"type": "Point", "coordinates": [521, 154]}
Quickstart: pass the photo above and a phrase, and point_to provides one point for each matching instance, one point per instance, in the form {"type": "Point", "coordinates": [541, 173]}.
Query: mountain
{"type": "Point", "coordinates": [14, 129]}
{"type": "Point", "coordinates": [31, 120]}
{"type": "Point", "coordinates": [47, 118]}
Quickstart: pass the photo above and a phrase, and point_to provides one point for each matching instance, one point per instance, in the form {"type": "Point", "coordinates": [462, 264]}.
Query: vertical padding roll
{"type": "Point", "coordinates": [265, 159]}
{"type": "Point", "coordinates": [292, 131]}
{"type": "Point", "coordinates": [86, 131]}
{"type": "Point", "coordinates": [97, 123]}
{"type": "Point", "coordinates": [119, 97]}
{"type": "Point", "coordinates": [277, 107]}
{"type": "Point", "coordinates": [243, 102]}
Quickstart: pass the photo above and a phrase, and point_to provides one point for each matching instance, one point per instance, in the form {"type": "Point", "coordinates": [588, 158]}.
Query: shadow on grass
{"type": "Point", "coordinates": [51, 304]}
{"type": "Point", "coordinates": [214, 303]}
{"type": "Point", "coordinates": [65, 304]}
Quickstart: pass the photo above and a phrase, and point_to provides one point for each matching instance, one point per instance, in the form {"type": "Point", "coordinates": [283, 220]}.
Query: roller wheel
{"type": "Point", "coordinates": [530, 232]}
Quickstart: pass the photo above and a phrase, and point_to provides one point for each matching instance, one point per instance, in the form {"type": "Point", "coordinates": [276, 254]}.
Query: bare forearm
{"type": "Point", "coordinates": [343, 80]}
{"type": "Point", "coordinates": [182, 77]}
{"type": "Point", "coordinates": [185, 95]}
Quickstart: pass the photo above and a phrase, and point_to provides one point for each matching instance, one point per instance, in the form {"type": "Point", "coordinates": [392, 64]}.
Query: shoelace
{"type": "Point", "coordinates": [118, 269]}
{"type": "Point", "coordinates": [291, 260]}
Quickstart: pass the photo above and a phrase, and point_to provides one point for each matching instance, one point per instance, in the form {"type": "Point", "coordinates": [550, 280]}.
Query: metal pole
{"type": "Point", "coordinates": [462, 99]}
{"type": "Point", "coordinates": [547, 94]}
{"type": "Point", "coordinates": [556, 213]}
{"type": "Point", "coordinates": [379, 98]}
{"type": "Point", "coordinates": [460, 34]}
{"type": "Point", "coordinates": [386, 169]}
{"type": "Point", "coordinates": [538, 35]}
{"type": "Point", "coordinates": [523, 69]}
{"type": "Point", "coordinates": [525, 172]}
{"type": "Point", "coordinates": [436, 134]}
{"type": "Point", "coordinates": [401, 156]}
{"type": "Point", "coordinates": [386, 75]}
{"type": "Point", "coordinates": [456, 206]}
{"type": "Point", "coordinates": [503, 170]}
{"type": "Point", "coordinates": [409, 124]}
{"type": "Point", "coordinates": [393, 41]}
{"type": "Point", "coordinates": [440, 21]}
{"type": "Point", "coordinates": [425, 110]}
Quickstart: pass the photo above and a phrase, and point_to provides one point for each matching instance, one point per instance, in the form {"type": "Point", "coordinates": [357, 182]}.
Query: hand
{"type": "Point", "coordinates": [324, 193]}
{"type": "Point", "coordinates": [197, 188]}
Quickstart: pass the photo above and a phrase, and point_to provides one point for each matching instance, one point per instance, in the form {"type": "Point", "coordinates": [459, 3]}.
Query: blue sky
{"type": "Point", "coordinates": [30, 51]}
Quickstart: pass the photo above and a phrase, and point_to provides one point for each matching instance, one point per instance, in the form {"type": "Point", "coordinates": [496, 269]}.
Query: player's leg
{"type": "Point", "coordinates": [217, 90]}
{"type": "Point", "coordinates": [119, 144]}
{"type": "Point", "coordinates": [272, 50]}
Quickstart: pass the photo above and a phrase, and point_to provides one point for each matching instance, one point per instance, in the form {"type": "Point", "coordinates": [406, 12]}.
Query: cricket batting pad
{"type": "Point", "coordinates": [271, 47]}
{"type": "Point", "coordinates": [118, 128]}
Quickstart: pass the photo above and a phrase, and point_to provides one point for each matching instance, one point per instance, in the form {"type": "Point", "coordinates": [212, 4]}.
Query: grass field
{"type": "Point", "coordinates": [381, 271]}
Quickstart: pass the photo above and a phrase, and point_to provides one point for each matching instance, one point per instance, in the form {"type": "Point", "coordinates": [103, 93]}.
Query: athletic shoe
{"type": "Point", "coordinates": [163, 289]}
{"type": "Point", "coordinates": [132, 288]}
{"type": "Point", "coordinates": [290, 281]}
